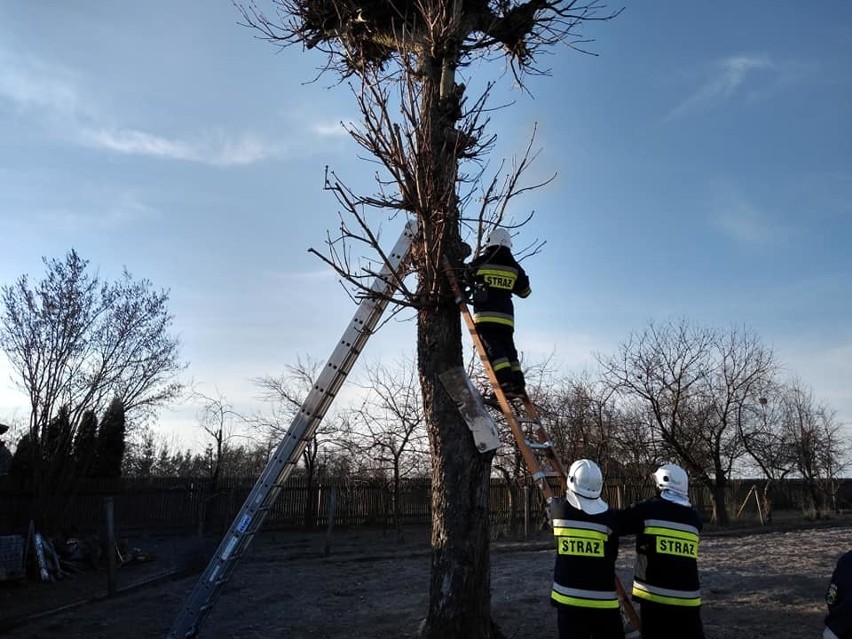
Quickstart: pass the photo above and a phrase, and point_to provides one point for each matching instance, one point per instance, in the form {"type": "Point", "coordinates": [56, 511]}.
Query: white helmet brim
{"type": "Point", "coordinates": [589, 505]}
{"type": "Point", "coordinates": [674, 497]}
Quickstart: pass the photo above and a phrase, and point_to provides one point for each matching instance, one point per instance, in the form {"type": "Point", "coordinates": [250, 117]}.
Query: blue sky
{"type": "Point", "coordinates": [703, 162]}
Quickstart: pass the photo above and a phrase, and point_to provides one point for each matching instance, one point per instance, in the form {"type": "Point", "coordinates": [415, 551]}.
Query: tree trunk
{"type": "Point", "coordinates": [460, 585]}
{"type": "Point", "coordinates": [460, 582]}
{"type": "Point", "coordinates": [397, 515]}
{"type": "Point", "coordinates": [511, 525]}
{"type": "Point", "coordinates": [813, 498]}
{"type": "Point", "coordinates": [767, 502]}
{"type": "Point", "coordinates": [720, 506]}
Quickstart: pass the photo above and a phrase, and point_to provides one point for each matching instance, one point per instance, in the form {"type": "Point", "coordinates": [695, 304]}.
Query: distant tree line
{"type": "Point", "coordinates": [96, 359]}
{"type": "Point", "coordinates": [709, 399]}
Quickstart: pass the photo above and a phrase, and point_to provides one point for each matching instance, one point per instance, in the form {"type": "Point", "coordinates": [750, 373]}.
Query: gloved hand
{"type": "Point", "coordinates": [479, 293]}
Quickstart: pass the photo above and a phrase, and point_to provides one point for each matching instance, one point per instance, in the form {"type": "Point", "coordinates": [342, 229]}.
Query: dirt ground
{"type": "Point", "coordinates": [766, 583]}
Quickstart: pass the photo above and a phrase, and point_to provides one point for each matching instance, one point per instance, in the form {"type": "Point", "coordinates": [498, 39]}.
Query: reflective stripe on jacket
{"type": "Point", "coordinates": [666, 595]}
{"type": "Point", "coordinates": [584, 598]}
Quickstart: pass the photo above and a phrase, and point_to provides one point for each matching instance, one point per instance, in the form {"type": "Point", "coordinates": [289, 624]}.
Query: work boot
{"type": "Point", "coordinates": [512, 391]}
{"type": "Point", "coordinates": [490, 400]}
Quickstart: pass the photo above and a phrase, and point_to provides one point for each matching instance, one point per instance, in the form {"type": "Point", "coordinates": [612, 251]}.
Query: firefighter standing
{"type": "Point", "coordinates": [495, 276]}
{"type": "Point", "coordinates": [584, 590]}
{"type": "Point", "coordinates": [838, 622]}
{"type": "Point", "coordinates": [665, 579]}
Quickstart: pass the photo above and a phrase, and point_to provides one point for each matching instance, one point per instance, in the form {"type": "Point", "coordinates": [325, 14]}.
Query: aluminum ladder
{"type": "Point", "coordinates": [265, 491]}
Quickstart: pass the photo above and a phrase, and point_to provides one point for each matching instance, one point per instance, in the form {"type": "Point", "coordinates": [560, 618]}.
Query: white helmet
{"type": "Point", "coordinates": [499, 237]}
{"type": "Point", "coordinates": [585, 483]}
{"type": "Point", "coordinates": [672, 477]}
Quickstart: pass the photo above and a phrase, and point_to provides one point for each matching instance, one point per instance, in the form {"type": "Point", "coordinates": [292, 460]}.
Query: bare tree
{"type": "Point", "coordinates": [767, 443]}
{"type": "Point", "coordinates": [819, 449]}
{"type": "Point", "coordinates": [218, 418]}
{"type": "Point", "coordinates": [585, 421]}
{"type": "Point", "coordinates": [698, 385]}
{"type": "Point", "coordinates": [76, 343]}
{"type": "Point", "coordinates": [388, 430]}
{"type": "Point", "coordinates": [406, 61]}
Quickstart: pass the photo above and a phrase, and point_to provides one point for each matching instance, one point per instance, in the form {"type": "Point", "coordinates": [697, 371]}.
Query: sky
{"type": "Point", "coordinates": [702, 155]}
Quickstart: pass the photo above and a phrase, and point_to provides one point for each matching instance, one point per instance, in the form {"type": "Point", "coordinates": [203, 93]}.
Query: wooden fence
{"type": "Point", "coordinates": [163, 504]}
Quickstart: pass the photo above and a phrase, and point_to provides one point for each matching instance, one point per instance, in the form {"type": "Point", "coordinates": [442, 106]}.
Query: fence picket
{"type": "Point", "coordinates": [164, 503]}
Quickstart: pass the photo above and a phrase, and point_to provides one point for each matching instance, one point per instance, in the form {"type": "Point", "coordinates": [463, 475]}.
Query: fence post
{"type": "Point", "coordinates": [526, 511]}
{"type": "Point", "coordinates": [109, 507]}
{"type": "Point", "coordinates": [332, 506]}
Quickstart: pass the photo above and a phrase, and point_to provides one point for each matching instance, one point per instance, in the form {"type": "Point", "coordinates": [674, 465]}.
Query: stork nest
{"type": "Point", "coordinates": [372, 31]}
{"type": "Point", "coordinates": [369, 31]}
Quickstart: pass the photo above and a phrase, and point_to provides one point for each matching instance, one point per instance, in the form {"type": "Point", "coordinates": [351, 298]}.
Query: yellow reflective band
{"type": "Point", "coordinates": [665, 599]}
{"type": "Point", "coordinates": [671, 532]}
{"type": "Point", "coordinates": [494, 320]}
{"type": "Point", "coordinates": [584, 603]}
{"type": "Point", "coordinates": [501, 366]}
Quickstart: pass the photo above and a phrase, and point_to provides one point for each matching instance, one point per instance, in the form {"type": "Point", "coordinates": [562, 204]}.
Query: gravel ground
{"type": "Point", "coordinates": [755, 584]}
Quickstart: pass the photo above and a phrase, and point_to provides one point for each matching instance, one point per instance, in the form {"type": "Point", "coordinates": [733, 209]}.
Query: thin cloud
{"type": "Point", "coordinates": [126, 210]}
{"type": "Point", "coordinates": [329, 129]}
{"type": "Point", "coordinates": [743, 221]}
{"type": "Point", "coordinates": [31, 85]}
{"type": "Point", "coordinates": [56, 95]}
{"type": "Point", "coordinates": [217, 152]}
{"type": "Point", "coordinates": [727, 77]}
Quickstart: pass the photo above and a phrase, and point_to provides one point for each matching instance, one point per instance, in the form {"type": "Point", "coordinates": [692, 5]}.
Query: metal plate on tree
{"type": "Point", "coordinates": [473, 412]}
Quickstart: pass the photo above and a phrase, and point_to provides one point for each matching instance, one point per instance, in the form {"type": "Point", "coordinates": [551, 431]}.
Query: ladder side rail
{"type": "Point", "coordinates": [266, 489]}
{"type": "Point", "coordinates": [361, 327]}
{"type": "Point", "coordinates": [234, 543]}
{"type": "Point", "coordinates": [245, 525]}
{"type": "Point", "coordinates": [342, 360]}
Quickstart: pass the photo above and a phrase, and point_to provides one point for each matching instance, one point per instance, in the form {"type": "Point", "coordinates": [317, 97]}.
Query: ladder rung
{"type": "Point", "coordinates": [538, 445]}
{"type": "Point", "coordinates": [542, 474]}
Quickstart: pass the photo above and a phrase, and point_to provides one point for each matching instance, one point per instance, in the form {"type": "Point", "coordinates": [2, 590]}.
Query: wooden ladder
{"type": "Point", "coordinates": [531, 438]}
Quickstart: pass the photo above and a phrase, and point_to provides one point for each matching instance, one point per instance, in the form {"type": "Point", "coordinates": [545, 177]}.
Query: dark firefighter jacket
{"type": "Point", "coordinates": [496, 270]}
{"type": "Point", "coordinates": [667, 535]}
{"type": "Point", "coordinates": [839, 598]}
{"type": "Point", "coordinates": [586, 550]}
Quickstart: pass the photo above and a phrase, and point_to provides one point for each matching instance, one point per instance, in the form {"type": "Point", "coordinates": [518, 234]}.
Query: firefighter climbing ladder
{"type": "Point", "coordinates": [530, 436]}
{"type": "Point", "coordinates": [537, 449]}
{"type": "Point", "coordinates": [261, 498]}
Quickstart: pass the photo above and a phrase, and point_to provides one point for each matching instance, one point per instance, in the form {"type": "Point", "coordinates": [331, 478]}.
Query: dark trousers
{"type": "Point", "coordinates": [499, 342]}
{"type": "Point", "coordinates": [575, 622]}
{"type": "Point", "coordinates": [658, 620]}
